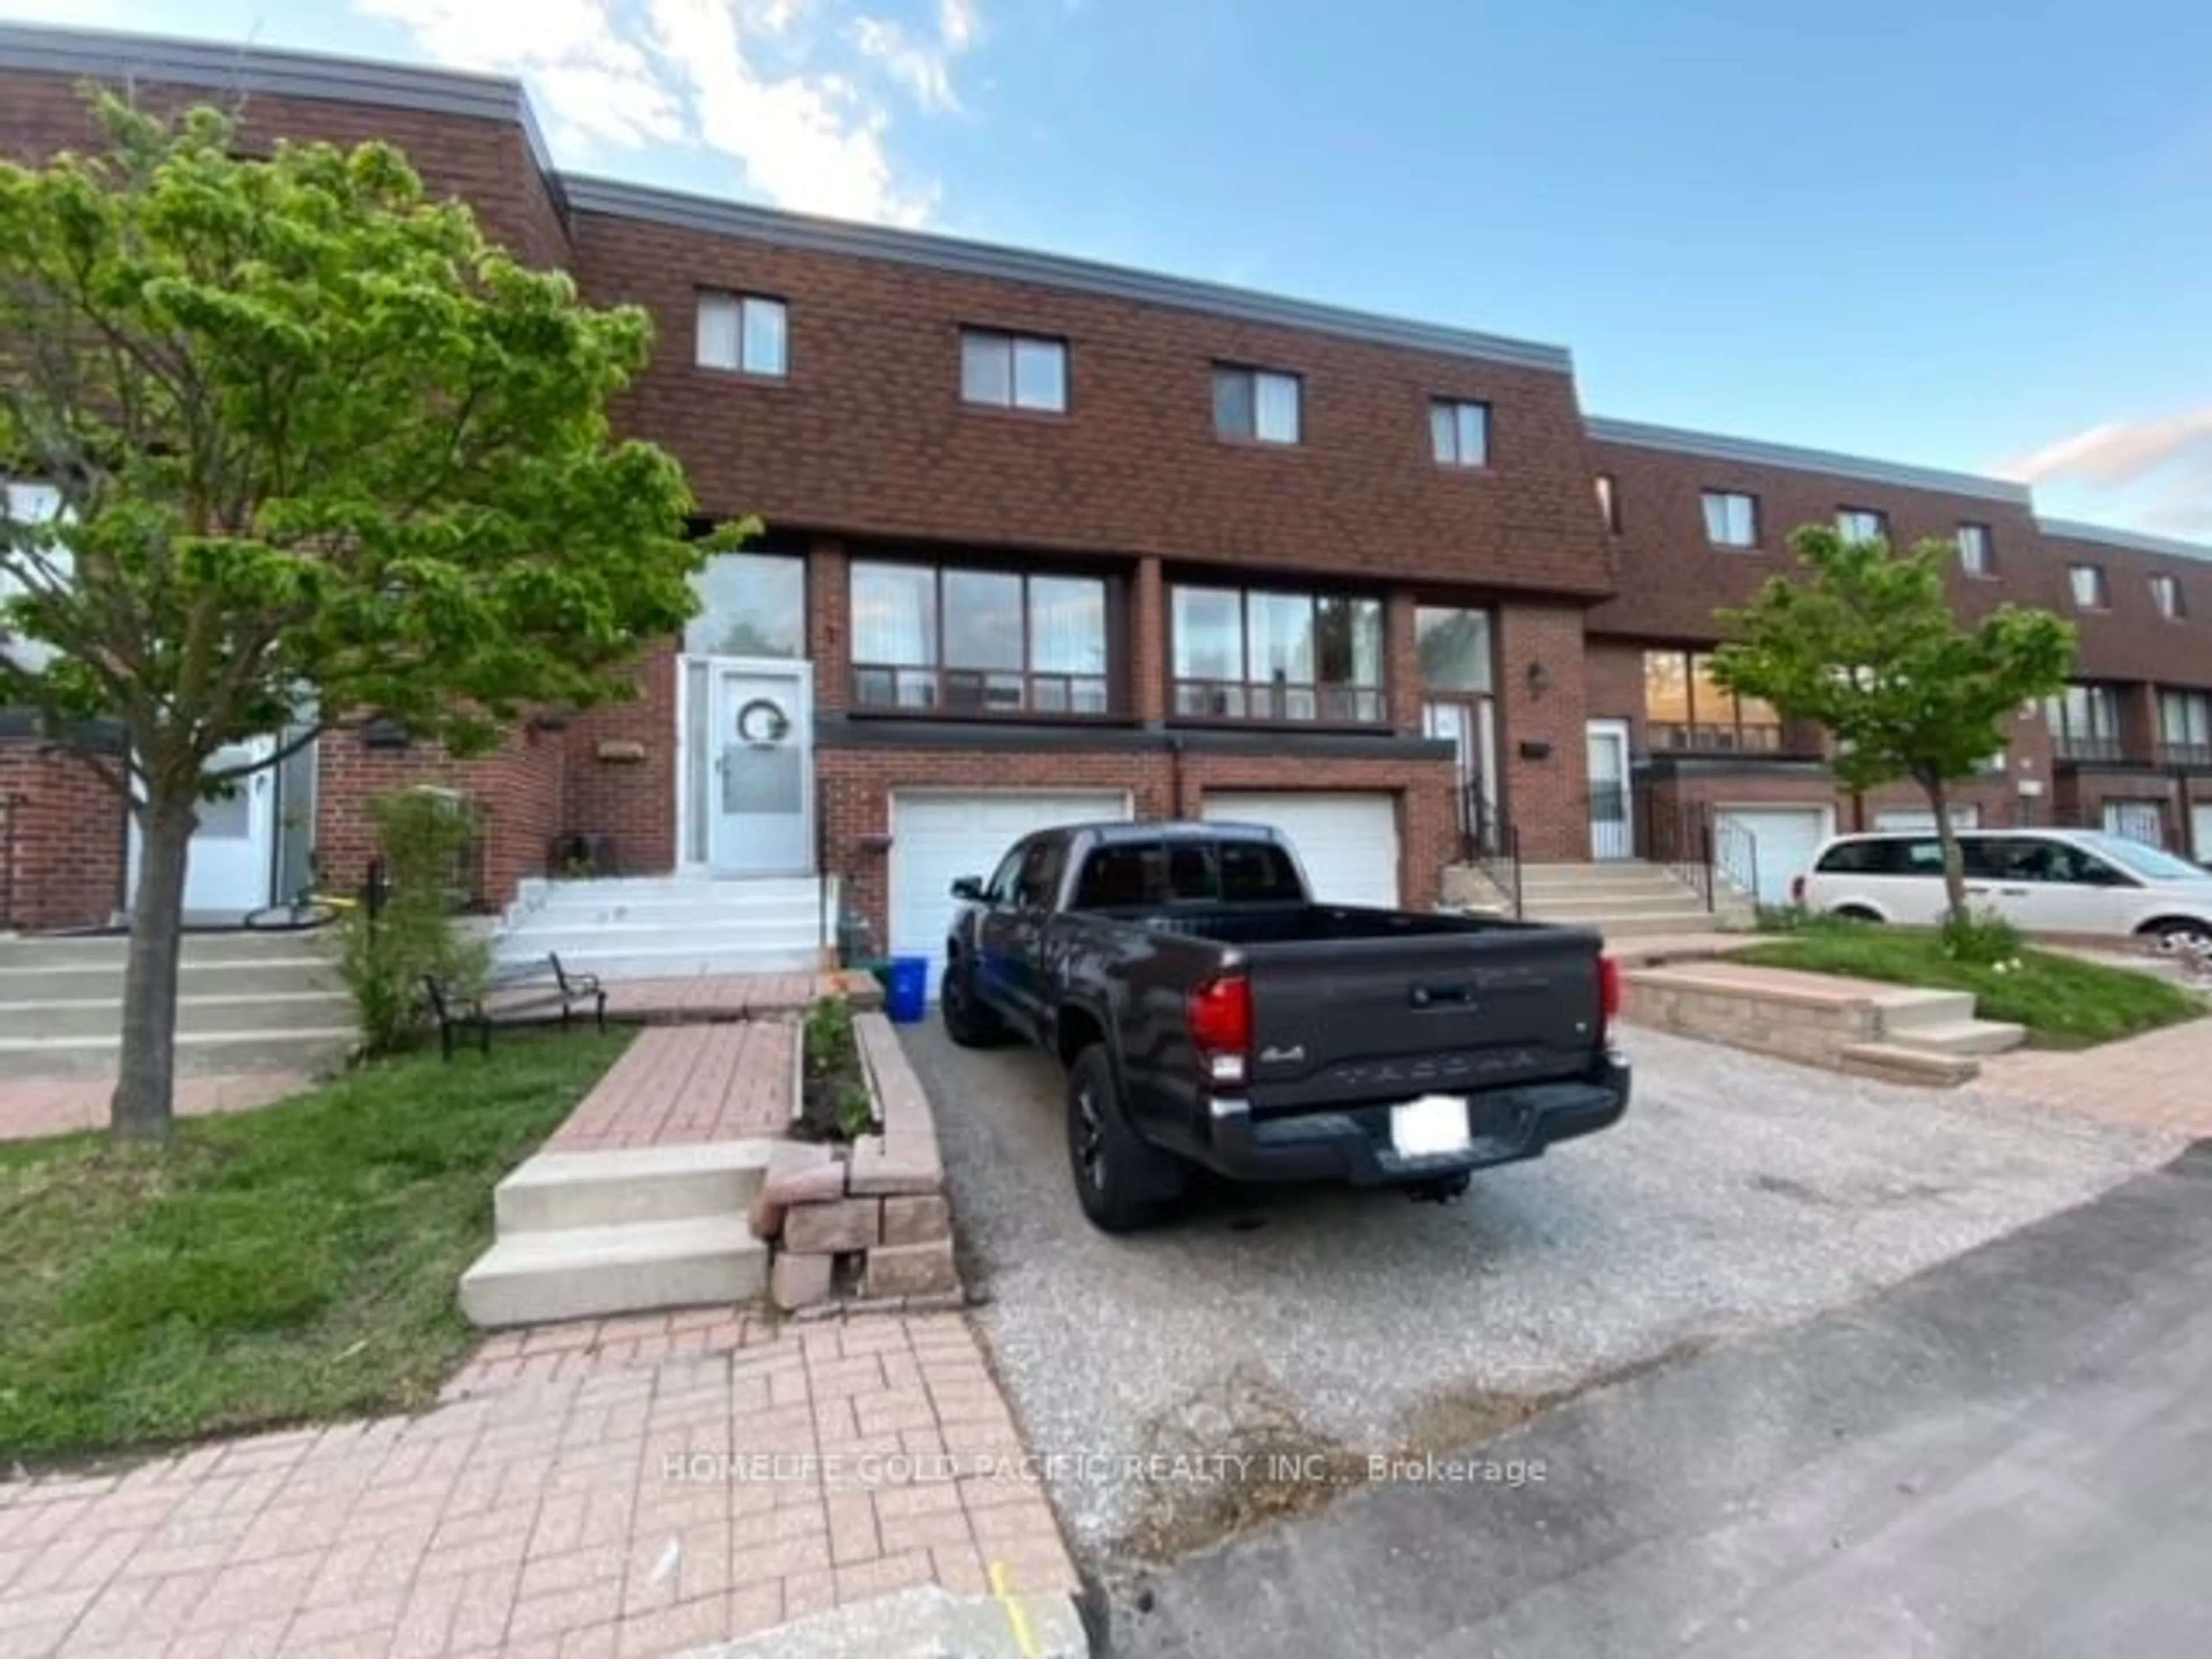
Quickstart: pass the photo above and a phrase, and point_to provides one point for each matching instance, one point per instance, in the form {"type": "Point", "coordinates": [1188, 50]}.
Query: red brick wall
{"type": "Point", "coordinates": [632, 800]}
{"type": "Point", "coordinates": [1547, 799]}
{"type": "Point", "coordinates": [62, 832]}
{"type": "Point", "coordinates": [868, 434]}
{"type": "Point", "coordinates": [518, 788]}
{"type": "Point", "coordinates": [2131, 641]}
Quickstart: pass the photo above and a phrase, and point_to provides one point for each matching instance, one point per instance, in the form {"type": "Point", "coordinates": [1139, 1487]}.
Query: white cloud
{"type": "Point", "coordinates": [796, 95]}
{"type": "Point", "coordinates": [2155, 470]}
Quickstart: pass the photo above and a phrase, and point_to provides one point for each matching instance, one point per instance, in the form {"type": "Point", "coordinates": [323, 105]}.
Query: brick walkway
{"type": "Point", "coordinates": [739, 996]}
{"type": "Point", "coordinates": [34, 1107]}
{"type": "Point", "coordinates": [2160, 1081]}
{"type": "Point", "coordinates": [638, 1488]}
{"type": "Point", "coordinates": [678, 1085]}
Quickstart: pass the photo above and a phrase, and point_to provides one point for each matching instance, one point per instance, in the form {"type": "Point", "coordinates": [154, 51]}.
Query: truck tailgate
{"type": "Point", "coordinates": [1353, 1021]}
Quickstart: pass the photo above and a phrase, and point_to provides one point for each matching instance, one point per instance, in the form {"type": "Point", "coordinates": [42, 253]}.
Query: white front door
{"type": "Point", "coordinates": [1611, 833]}
{"type": "Point", "coordinates": [234, 851]}
{"type": "Point", "coordinates": [1346, 844]}
{"type": "Point", "coordinates": [760, 783]}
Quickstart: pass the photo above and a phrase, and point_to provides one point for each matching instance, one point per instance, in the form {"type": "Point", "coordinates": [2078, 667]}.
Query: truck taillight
{"type": "Point", "coordinates": [1220, 1018]}
{"type": "Point", "coordinates": [1608, 988]}
{"type": "Point", "coordinates": [1797, 890]}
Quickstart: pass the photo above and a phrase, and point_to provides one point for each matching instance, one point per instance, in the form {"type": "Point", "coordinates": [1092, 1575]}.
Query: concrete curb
{"type": "Point", "coordinates": [929, 1622]}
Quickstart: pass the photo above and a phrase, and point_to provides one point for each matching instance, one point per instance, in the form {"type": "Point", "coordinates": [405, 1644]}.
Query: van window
{"type": "Point", "coordinates": [1863, 858]}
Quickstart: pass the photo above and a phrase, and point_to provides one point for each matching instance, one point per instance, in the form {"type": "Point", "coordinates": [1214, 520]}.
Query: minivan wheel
{"type": "Point", "coordinates": [1121, 1182]}
{"type": "Point", "coordinates": [1857, 913]}
{"type": "Point", "coordinates": [2182, 934]}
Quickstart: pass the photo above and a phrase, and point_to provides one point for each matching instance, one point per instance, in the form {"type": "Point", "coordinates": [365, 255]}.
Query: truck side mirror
{"type": "Point", "coordinates": [968, 887]}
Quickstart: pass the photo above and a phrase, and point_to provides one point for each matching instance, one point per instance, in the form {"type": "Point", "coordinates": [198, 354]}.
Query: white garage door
{"type": "Point", "coordinates": [2200, 818]}
{"type": "Point", "coordinates": [1783, 839]}
{"type": "Point", "coordinates": [1919, 820]}
{"type": "Point", "coordinates": [1348, 842]}
{"type": "Point", "coordinates": [938, 837]}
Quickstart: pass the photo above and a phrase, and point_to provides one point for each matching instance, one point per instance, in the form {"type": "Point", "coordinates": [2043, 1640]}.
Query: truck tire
{"type": "Point", "coordinates": [1121, 1182]}
{"type": "Point", "coordinates": [967, 1021]}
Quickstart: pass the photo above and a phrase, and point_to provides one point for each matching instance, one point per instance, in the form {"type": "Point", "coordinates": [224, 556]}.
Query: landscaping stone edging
{"type": "Point", "coordinates": [882, 1206]}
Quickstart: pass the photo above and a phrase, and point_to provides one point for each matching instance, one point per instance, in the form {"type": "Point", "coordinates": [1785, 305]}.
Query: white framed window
{"type": "Point", "coordinates": [2087, 584]}
{"type": "Point", "coordinates": [1731, 519]}
{"type": "Point", "coordinates": [1258, 405]}
{"type": "Point", "coordinates": [1862, 524]}
{"type": "Point", "coordinates": [2166, 594]}
{"type": "Point", "coordinates": [1459, 431]}
{"type": "Point", "coordinates": [1977, 556]}
{"type": "Point", "coordinates": [1608, 501]}
{"type": "Point", "coordinates": [747, 333]}
{"type": "Point", "coordinates": [1013, 371]}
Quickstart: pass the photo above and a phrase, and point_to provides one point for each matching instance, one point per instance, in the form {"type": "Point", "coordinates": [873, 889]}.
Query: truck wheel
{"type": "Point", "coordinates": [967, 1021]}
{"type": "Point", "coordinates": [1121, 1182]}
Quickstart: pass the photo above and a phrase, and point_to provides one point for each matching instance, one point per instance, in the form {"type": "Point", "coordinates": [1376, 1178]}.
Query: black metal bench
{"type": "Point", "coordinates": [530, 995]}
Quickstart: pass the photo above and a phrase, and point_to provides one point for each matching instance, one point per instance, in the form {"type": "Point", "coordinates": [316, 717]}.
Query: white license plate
{"type": "Point", "coordinates": [1428, 1126]}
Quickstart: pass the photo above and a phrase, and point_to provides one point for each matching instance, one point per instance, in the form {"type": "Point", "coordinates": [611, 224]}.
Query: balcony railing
{"type": "Point", "coordinates": [1709, 740]}
{"type": "Point", "coordinates": [2184, 754]}
{"type": "Point", "coordinates": [2068, 747]}
{"type": "Point", "coordinates": [1280, 700]}
{"type": "Point", "coordinates": [969, 692]}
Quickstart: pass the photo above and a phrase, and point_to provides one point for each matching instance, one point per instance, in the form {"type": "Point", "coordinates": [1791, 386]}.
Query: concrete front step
{"type": "Point", "coordinates": [1960, 1037]}
{"type": "Point", "coordinates": [778, 915]}
{"type": "Point", "coordinates": [1581, 904]}
{"type": "Point", "coordinates": [1908, 1008]}
{"type": "Point", "coordinates": [93, 981]}
{"type": "Point", "coordinates": [198, 1053]}
{"type": "Point", "coordinates": [1891, 1063]}
{"type": "Point", "coordinates": [102, 1016]}
{"type": "Point", "coordinates": [594, 1273]}
{"type": "Point", "coordinates": [96, 950]}
{"type": "Point", "coordinates": [558, 1191]}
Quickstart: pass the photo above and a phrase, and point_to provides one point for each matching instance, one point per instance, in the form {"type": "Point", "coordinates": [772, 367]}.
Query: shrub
{"type": "Point", "coordinates": [1983, 939]}
{"type": "Point", "coordinates": [424, 837]}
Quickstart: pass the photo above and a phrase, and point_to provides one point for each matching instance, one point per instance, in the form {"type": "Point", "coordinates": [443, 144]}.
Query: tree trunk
{"type": "Point", "coordinates": [1947, 837]}
{"type": "Point", "coordinates": [146, 1080]}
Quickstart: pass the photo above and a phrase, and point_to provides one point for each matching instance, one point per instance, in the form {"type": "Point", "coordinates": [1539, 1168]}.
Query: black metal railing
{"type": "Point", "coordinates": [2068, 747]}
{"type": "Point", "coordinates": [1490, 842]}
{"type": "Point", "coordinates": [2184, 754]}
{"type": "Point", "coordinates": [1678, 836]}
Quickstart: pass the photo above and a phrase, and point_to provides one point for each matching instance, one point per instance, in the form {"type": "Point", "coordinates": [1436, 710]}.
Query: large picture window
{"type": "Point", "coordinates": [2085, 723]}
{"type": "Point", "coordinates": [1265, 655]}
{"type": "Point", "coordinates": [1684, 708]}
{"type": "Point", "coordinates": [2185, 731]}
{"type": "Point", "coordinates": [1454, 648]}
{"type": "Point", "coordinates": [751, 605]}
{"type": "Point", "coordinates": [970, 641]}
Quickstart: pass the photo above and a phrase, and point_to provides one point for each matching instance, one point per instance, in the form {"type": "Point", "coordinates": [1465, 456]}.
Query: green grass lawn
{"type": "Point", "coordinates": [2065, 1002]}
{"type": "Point", "coordinates": [292, 1263]}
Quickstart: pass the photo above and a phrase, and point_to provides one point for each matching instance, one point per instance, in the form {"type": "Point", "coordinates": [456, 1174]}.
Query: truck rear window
{"type": "Point", "coordinates": [1132, 875]}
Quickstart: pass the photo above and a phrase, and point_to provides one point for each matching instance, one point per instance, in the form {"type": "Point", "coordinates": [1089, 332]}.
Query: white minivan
{"type": "Point", "coordinates": [2051, 881]}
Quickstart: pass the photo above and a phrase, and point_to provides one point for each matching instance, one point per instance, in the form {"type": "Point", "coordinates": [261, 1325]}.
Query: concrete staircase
{"type": "Point", "coordinates": [1625, 898]}
{"type": "Point", "coordinates": [1930, 1037]}
{"type": "Point", "coordinates": [671, 926]}
{"type": "Point", "coordinates": [247, 1002]}
{"type": "Point", "coordinates": [588, 1234]}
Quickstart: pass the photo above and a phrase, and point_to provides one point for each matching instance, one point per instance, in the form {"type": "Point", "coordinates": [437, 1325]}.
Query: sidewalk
{"type": "Point", "coordinates": [2162, 1080]}
{"type": "Point", "coordinates": [645, 1487]}
{"type": "Point", "coordinates": [34, 1107]}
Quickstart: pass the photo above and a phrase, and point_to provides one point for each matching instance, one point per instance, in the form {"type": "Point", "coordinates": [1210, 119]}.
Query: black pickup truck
{"type": "Point", "coordinates": [1209, 1012]}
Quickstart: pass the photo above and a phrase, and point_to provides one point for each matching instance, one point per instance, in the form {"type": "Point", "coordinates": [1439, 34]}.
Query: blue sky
{"type": "Point", "coordinates": [1956, 232]}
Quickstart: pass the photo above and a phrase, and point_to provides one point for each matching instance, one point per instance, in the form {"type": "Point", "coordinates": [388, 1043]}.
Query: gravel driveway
{"type": "Point", "coordinates": [1320, 1325]}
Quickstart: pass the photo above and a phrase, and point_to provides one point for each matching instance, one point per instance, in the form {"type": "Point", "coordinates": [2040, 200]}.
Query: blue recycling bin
{"type": "Point", "coordinates": [906, 997]}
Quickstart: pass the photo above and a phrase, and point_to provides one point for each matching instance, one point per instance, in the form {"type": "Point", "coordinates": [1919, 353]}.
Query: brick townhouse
{"type": "Point", "coordinates": [1049, 538]}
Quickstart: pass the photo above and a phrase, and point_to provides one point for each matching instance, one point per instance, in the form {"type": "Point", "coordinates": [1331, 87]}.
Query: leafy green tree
{"type": "Point", "coordinates": [320, 448]}
{"type": "Point", "coordinates": [1865, 642]}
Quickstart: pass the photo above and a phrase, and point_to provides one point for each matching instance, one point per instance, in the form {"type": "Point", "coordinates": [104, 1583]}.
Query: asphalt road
{"type": "Point", "coordinates": [1310, 1329]}
{"type": "Point", "coordinates": [2008, 1456]}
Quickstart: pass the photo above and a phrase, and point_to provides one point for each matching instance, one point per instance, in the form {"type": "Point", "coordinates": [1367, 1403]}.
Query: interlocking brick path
{"type": "Point", "coordinates": [634, 1487]}
{"type": "Point", "coordinates": [730, 996]}
{"type": "Point", "coordinates": [34, 1107]}
{"type": "Point", "coordinates": [2162, 1080]}
{"type": "Point", "coordinates": [683, 1084]}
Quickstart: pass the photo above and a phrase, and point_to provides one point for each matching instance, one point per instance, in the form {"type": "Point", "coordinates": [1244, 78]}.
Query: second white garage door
{"type": "Point", "coordinates": [1348, 842]}
{"type": "Point", "coordinates": [937, 836]}
{"type": "Point", "coordinates": [1784, 838]}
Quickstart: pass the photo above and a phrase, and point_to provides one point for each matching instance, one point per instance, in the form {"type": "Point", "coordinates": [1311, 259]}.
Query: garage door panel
{"type": "Point", "coordinates": [939, 836]}
{"type": "Point", "coordinates": [1783, 839]}
{"type": "Point", "coordinates": [1921, 820]}
{"type": "Point", "coordinates": [1347, 841]}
